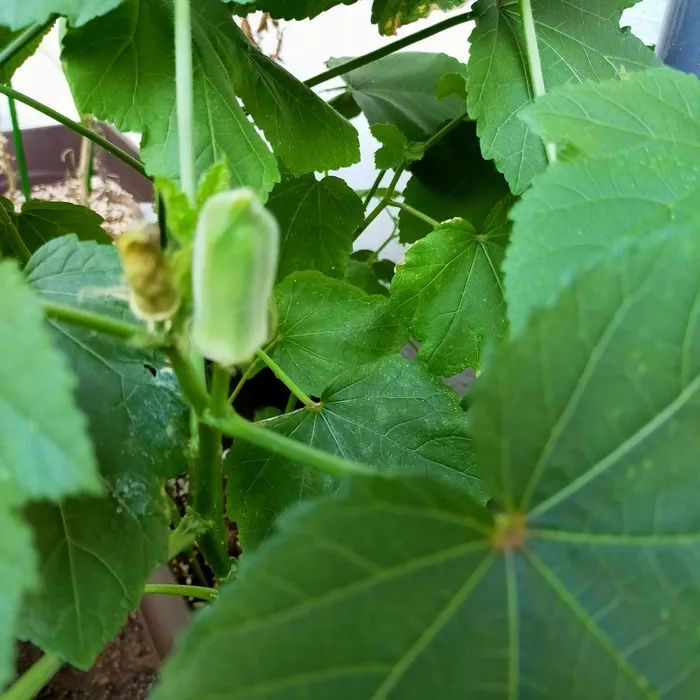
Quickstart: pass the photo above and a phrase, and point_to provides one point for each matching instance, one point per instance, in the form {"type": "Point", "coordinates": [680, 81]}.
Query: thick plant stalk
{"type": "Point", "coordinates": [206, 481]}
{"type": "Point", "coordinates": [185, 110]}
{"type": "Point", "coordinates": [534, 63]}
{"type": "Point", "coordinates": [30, 683]}
{"type": "Point", "coordinates": [206, 471]}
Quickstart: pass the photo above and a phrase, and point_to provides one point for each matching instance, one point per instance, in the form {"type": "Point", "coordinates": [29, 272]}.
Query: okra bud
{"type": "Point", "coordinates": [153, 293]}
{"type": "Point", "coordinates": [233, 273]}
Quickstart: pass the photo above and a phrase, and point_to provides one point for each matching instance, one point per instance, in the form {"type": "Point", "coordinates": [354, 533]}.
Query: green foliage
{"type": "Point", "coordinates": [630, 172]}
{"type": "Point", "coordinates": [7, 36]}
{"type": "Point", "coordinates": [401, 89]}
{"type": "Point", "coordinates": [96, 554]}
{"type": "Point", "coordinates": [388, 14]}
{"type": "Point", "coordinates": [318, 220]}
{"type": "Point", "coordinates": [39, 222]}
{"type": "Point", "coordinates": [578, 41]}
{"type": "Point", "coordinates": [390, 414]}
{"type": "Point", "coordinates": [21, 13]}
{"type": "Point", "coordinates": [449, 291]}
{"type": "Point", "coordinates": [45, 451]}
{"type": "Point", "coordinates": [326, 326]}
{"type": "Point", "coordinates": [452, 180]}
{"type": "Point", "coordinates": [536, 536]}
{"type": "Point", "coordinates": [226, 66]}
{"type": "Point", "coordinates": [483, 591]}
{"type": "Point", "coordinates": [395, 150]}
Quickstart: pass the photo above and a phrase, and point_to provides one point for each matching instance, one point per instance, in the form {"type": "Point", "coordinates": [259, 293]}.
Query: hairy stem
{"type": "Point", "coordinates": [75, 126]}
{"type": "Point", "coordinates": [390, 48]}
{"type": "Point", "coordinates": [534, 62]}
{"type": "Point", "coordinates": [30, 683]}
{"type": "Point", "coordinates": [92, 321]}
{"type": "Point", "coordinates": [239, 428]}
{"type": "Point", "coordinates": [19, 151]}
{"type": "Point", "coordinates": [284, 378]}
{"type": "Point", "coordinates": [184, 94]}
{"type": "Point", "coordinates": [200, 592]}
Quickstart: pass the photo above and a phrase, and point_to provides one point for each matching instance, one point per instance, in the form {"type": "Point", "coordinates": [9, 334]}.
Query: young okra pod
{"type": "Point", "coordinates": [233, 273]}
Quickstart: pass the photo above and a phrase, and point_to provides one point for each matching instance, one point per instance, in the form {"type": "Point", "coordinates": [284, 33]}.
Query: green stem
{"type": "Point", "coordinates": [285, 378]}
{"type": "Point", "coordinates": [75, 126]}
{"type": "Point", "coordinates": [291, 402]}
{"type": "Point", "coordinates": [395, 46]}
{"type": "Point", "coordinates": [91, 320]}
{"type": "Point", "coordinates": [534, 63]}
{"type": "Point", "coordinates": [252, 369]}
{"type": "Point", "coordinates": [374, 188]}
{"type": "Point", "coordinates": [383, 202]}
{"type": "Point", "coordinates": [19, 151]}
{"type": "Point", "coordinates": [206, 487]}
{"type": "Point", "coordinates": [21, 41]}
{"type": "Point", "coordinates": [206, 480]}
{"type": "Point", "coordinates": [184, 94]}
{"type": "Point", "coordinates": [239, 428]}
{"type": "Point", "coordinates": [375, 255]}
{"type": "Point", "coordinates": [414, 212]}
{"type": "Point", "coordinates": [30, 683]}
{"type": "Point", "coordinates": [450, 126]}
{"type": "Point", "coordinates": [176, 589]}
{"type": "Point", "coordinates": [190, 383]}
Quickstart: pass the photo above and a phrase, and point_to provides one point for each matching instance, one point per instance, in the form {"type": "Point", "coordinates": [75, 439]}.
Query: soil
{"type": "Point", "coordinates": [125, 670]}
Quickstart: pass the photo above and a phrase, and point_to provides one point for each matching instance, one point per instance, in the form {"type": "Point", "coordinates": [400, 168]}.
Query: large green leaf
{"type": "Point", "coordinates": [44, 446]}
{"type": "Point", "coordinates": [18, 570]}
{"type": "Point", "coordinates": [318, 220]}
{"type": "Point", "coordinates": [96, 554]}
{"type": "Point", "coordinates": [45, 450]}
{"type": "Point", "coordinates": [452, 180]}
{"type": "Point", "coordinates": [581, 585]}
{"type": "Point", "coordinates": [632, 168]}
{"type": "Point", "coordinates": [449, 292]}
{"type": "Point", "coordinates": [129, 80]}
{"type": "Point", "coordinates": [39, 222]}
{"type": "Point", "coordinates": [401, 89]}
{"type": "Point", "coordinates": [390, 414]}
{"type": "Point", "coordinates": [21, 13]}
{"type": "Point", "coordinates": [578, 41]}
{"type": "Point", "coordinates": [326, 326]}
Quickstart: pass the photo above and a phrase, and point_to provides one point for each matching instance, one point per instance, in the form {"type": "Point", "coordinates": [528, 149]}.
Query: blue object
{"type": "Point", "coordinates": [679, 44]}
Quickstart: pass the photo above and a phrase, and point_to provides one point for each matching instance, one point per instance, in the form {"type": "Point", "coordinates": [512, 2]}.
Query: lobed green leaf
{"type": "Point", "coordinates": [578, 42]}
{"type": "Point", "coordinates": [390, 414]}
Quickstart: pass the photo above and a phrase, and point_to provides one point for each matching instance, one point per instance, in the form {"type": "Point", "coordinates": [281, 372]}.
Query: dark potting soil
{"type": "Point", "coordinates": [125, 670]}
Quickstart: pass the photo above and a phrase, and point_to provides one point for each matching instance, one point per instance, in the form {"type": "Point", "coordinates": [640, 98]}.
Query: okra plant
{"type": "Point", "coordinates": [536, 537]}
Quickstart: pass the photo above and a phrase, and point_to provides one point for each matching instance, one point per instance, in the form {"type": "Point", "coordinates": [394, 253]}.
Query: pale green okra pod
{"type": "Point", "coordinates": [233, 274]}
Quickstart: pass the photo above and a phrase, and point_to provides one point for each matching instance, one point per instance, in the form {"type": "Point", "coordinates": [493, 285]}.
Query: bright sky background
{"type": "Point", "coordinates": [342, 31]}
